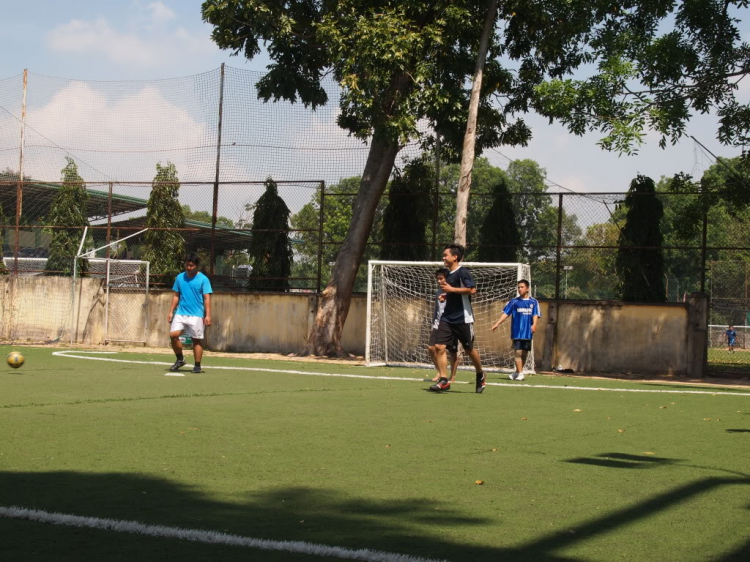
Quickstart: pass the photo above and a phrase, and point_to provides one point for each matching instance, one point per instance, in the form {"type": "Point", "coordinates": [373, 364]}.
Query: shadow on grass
{"type": "Point", "coordinates": [622, 460]}
{"type": "Point", "coordinates": [738, 430]}
{"type": "Point", "coordinates": [319, 516]}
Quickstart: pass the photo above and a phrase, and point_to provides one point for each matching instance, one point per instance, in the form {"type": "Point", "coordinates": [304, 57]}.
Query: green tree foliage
{"type": "Point", "coordinates": [499, 238]}
{"type": "Point", "coordinates": [640, 258]}
{"type": "Point", "coordinates": [656, 63]}
{"type": "Point", "coordinates": [205, 217]}
{"type": "Point", "coordinates": [68, 209]}
{"type": "Point", "coordinates": [163, 246]}
{"type": "Point", "coordinates": [338, 202]}
{"type": "Point", "coordinates": [408, 212]}
{"type": "Point", "coordinates": [270, 249]}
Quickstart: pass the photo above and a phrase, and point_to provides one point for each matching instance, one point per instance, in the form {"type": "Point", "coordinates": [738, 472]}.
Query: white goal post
{"type": "Point", "coordinates": [400, 305]}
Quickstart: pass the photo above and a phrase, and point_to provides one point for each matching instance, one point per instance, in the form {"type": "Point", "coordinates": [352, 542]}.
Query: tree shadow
{"type": "Point", "coordinates": [738, 430]}
{"type": "Point", "coordinates": [623, 460]}
{"type": "Point", "coordinates": [321, 516]}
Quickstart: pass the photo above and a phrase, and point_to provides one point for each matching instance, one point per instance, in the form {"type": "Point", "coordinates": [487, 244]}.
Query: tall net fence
{"type": "Point", "coordinates": [223, 143]}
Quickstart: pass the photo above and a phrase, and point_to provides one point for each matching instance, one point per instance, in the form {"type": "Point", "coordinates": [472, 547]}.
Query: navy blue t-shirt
{"type": "Point", "coordinates": [458, 307]}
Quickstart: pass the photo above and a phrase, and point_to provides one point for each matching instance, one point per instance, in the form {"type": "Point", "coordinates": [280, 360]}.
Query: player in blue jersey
{"type": "Point", "coordinates": [731, 338]}
{"type": "Point", "coordinates": [436, 315]}
{"type": "Point", "coordinates": [457, 321]}
{"type": "Point", "coordinates": [524, 313]}
{"type": "Point", "coordinates": [192, 299]}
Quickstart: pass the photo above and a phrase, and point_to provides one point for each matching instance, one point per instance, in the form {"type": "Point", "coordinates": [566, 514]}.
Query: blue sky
{"type": "Point", "coordinates": [141, 39]}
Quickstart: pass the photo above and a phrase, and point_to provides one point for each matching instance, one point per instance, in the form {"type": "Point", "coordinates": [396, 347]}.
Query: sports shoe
{"type": "Point", "coordinates": [481, 381]}
{"type": "Point", "coordinates": [441, 385]}
{"type": "Point", "coordinates": [520, 376]}
{"type": "Point", "coordinates": [196, 369]}
{"type": "Point", "coordinates": [512, 376]}
{"type": "Point", "coordinates": [177, 364]}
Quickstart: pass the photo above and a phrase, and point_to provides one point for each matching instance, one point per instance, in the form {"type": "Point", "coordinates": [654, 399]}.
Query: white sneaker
{"type": "Point", "coordinates": [519, 377]}
{"type": "Point", "coordinates": [512, 376]}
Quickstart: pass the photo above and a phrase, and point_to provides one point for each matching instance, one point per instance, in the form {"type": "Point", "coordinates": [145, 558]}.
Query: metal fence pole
{"type": "Point", "coordinates": [558, 263]}
{"type": "Point", "coordinates": [19, 188]}
{"type": "Point", "coordinates": [436, 202]}
{"type": "Point", "coordinates": [320, 234]}
{"type": "Point", "coordinates": [703, 249]}
{"type": "Point", "coordinates": [218, 167]}
{"type": "Point", "coordinates": [109, 219]}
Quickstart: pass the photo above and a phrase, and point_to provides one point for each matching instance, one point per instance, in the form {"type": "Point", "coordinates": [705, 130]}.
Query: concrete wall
{"type": "Point", "coordinates": [615, 337]}
{"type": "Point", "coordinates": [586, 336]}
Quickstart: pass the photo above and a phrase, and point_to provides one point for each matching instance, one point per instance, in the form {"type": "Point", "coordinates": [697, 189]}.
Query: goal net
{"type": "Point", "coordinates": [400, 305]}
{"type": "Point", "coordinates": [125, 288]}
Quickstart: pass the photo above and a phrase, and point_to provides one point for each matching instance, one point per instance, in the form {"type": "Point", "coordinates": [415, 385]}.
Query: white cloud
{"type": "Point", "coordinates": [159, 12]}
{"type": "Point", "coordinates": [149, 48]}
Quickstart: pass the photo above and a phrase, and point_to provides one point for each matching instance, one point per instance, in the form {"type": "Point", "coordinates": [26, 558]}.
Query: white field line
{"type": "Point", "coordinates": [209, 537]}
{"type": "Point", "coordinates": [411, 379]}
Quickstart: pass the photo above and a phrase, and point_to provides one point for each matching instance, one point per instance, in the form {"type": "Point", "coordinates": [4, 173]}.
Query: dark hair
{"type": "Point", "coordinates": [524, 281]}
{"type": "Point", "coordinates": [457, 250]}
{"type": "Point", "coordinates": [444, 271]}
{"type": "Point", "coordinates": [193, 257]}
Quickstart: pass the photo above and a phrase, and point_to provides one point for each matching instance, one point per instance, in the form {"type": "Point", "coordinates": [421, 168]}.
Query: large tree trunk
{"type": "Point", "coordinates": [467, 153]}
{"type": "Point", "coordinates": [333, 304]}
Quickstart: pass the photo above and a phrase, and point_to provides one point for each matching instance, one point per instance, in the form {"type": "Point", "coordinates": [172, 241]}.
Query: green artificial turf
{"type": "Point", "coordinates": [369, 463]}
{"type": "Point", "coordinates": [722, 360]}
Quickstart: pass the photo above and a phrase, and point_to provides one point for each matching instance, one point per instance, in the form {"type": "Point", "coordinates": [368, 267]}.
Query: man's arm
{"type": "Point", "coordinates": [533, 324]}
{"type": "Point", "coordinates": [458, 290]}
{"type": "Point", "coordinates": [207, 304]}
{"type": "Point", "coordinates": [175, 302]}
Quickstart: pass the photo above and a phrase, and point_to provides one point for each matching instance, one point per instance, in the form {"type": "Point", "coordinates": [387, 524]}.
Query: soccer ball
{"type": "Point", "coordinates": [15, 359]}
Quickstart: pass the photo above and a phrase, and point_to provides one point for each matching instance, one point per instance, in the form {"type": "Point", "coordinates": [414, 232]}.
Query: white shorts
{"type": "Point", "coordinates": [189, 325]}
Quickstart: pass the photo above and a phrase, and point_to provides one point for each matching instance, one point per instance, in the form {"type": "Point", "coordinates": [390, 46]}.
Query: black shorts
{"type": "Point", "coordinates": [452, 348]}
{"type": "Point", "coordinates": [447, 334]}
{"type": "Point", "coordinates": [523, 345]}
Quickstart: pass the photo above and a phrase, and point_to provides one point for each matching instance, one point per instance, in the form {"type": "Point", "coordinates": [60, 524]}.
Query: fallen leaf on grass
{"type": "Point", "coordinates": [707, 419]}
{"type": "Point", "coordinates": [620, 431]}
{"type": "Point", "coordinates": [524, 419]}
{"type": "Point", "coordinates": [493, 450]}
{"type": "Point", "coordinates": [662, 407]}
{"type": "Point", "coordinates": [479, 482]}
{"type": "Point", "coordinates": [577, 410]}
{"type": "Point", "coordinates": [649, 453]}
{"type": "Point", "coordinates": [387, 446]}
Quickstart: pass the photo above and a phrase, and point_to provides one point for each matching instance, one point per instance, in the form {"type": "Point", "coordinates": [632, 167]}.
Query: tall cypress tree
{"type": "Point", "coordinates": [499, 237]}
{"type": "Point", "coordinates": [407, 213]}
{"type": "Point", "coordinates": [640, 258]}
{"type": "Point", "coordinates": [68, 210]}
{"type": "Point", "coordinates": [270, 249]}
{"type": "Point", "coordinates": [164, 248]}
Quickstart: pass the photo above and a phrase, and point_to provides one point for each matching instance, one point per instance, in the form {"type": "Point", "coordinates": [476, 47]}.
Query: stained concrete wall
{"type": "Point", "coordinates": [586, 336]}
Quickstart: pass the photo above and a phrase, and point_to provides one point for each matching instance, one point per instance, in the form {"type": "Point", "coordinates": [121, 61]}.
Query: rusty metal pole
{"type": "Point", "coordinates": [320, 234]}
{"type": "Point", "coordinates": [703, 249]}
{"type": "Point", "coordinates": [218, 168]}
{"type": "Point", "coordinates": [559, 245]}
{"type": "Point", "coordinates": [19, 188]}
{"type": "Point", "coordinates": [436, 203]}
{"type": "Point", "coordinates": [109, 219]}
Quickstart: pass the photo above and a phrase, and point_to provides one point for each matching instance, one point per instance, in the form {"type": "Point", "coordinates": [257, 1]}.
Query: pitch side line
{"type": "Point", "coordinates": [208, 537]}
{"type": "Point", "coordinates": [383, 377]}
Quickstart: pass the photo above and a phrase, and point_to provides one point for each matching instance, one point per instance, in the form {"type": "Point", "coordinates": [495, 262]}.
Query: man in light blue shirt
{"type": "Point", "coordinates": [524, 313]}
{"type": "Point", "coordinates": [192, 299]}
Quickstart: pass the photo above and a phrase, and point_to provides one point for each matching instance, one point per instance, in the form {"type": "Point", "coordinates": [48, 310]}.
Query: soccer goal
{"type": "Point", "coordinates": [400, 304]}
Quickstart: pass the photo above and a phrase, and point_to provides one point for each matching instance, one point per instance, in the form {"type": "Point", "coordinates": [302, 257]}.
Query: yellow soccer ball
{"type": "Point", "coordinates": [15, 359]}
